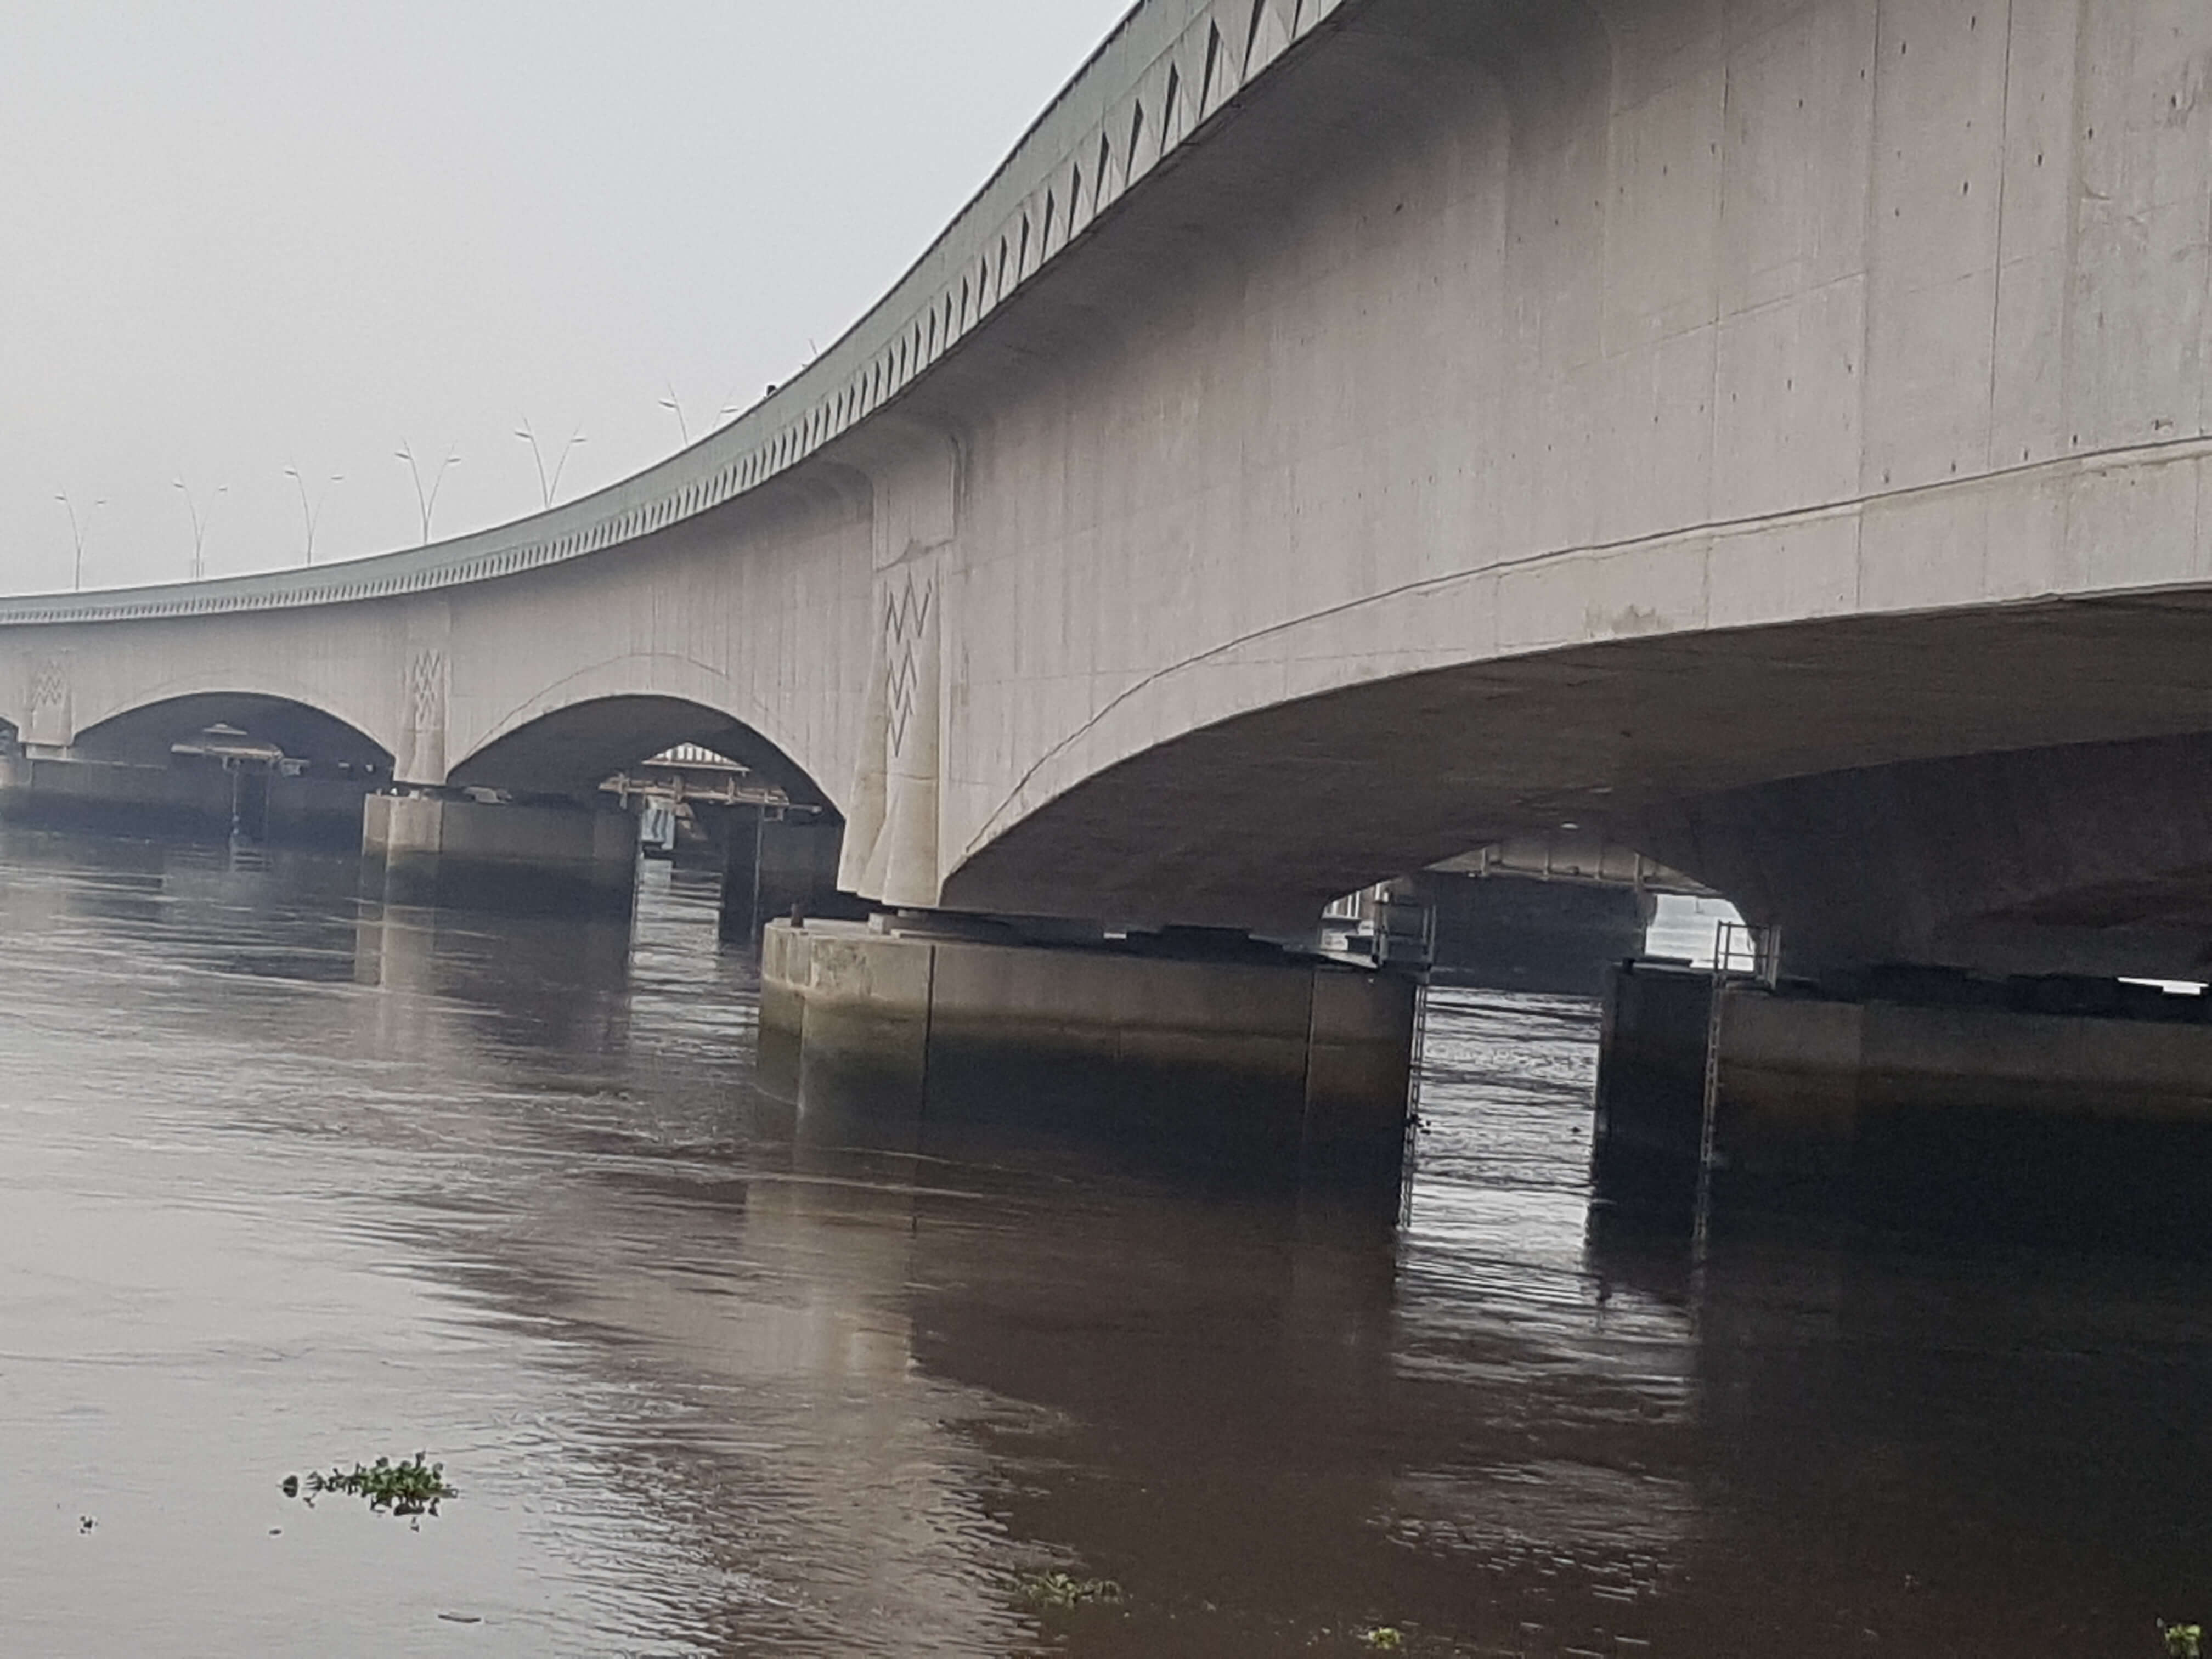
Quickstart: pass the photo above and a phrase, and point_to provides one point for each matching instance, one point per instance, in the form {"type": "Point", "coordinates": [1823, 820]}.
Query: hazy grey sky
{"type": "Point", "coordinates": [240, 237]}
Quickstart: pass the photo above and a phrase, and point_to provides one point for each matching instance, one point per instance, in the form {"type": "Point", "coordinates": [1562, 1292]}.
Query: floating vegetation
{"type": "Point", "coordinates": [2183, 1641]}
{"type": "Point", "coordinates": [413, 1486]}
{"type": "Point", "coordinates": [1384, 1638]}
{"type": "Point", "coordinates": [1061, 1593]}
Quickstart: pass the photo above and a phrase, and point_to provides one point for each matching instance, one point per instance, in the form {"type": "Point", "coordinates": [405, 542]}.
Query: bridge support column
{"type": "Point", "coordinates": [1520, 933]}
{"type": "Point", "coordinates": [1238, 1058]}
{"type": "Point", "coordinates": [772, 864]}
{"type": "Point", "coordinates": [190, 800]}
{"type": "Point", "coordinates": [2062, 1107]}
{"type": "Point", "coordinates": [458, 853]}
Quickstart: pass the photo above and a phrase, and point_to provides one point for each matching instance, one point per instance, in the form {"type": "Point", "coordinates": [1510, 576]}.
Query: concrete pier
{"type": "Point", "coordinates": [773, 863]}
{"type": "Point", "coordinates": [2066, 1105]}
{"type": "Point", "coordinates": [188, 800]}
{"type": "Point", "coordinates": [1514, 933]}
{"type": "Point", "coordinates": [461, 852]}
{"type": "Point", "coordinates": [1237, 1056]}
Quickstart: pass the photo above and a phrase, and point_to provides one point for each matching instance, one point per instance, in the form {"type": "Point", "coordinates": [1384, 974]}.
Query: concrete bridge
{"type": "Point", "coordinates": [1773, 433]}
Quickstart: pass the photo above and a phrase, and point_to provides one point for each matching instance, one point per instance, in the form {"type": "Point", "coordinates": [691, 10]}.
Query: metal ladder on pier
{"type": "Point", "coordinates": [1406, 941]}
{"type": "Point", "coordinates": [1409, 1160]}
{"type": "Point", "coordinates": [1740, 951]}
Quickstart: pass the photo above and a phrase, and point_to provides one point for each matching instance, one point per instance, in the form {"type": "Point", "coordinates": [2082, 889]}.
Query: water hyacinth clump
{"type": "Point", "coordinates": [413, 1486]}
{"type": "Point", "coordinates": [1059, 1592]}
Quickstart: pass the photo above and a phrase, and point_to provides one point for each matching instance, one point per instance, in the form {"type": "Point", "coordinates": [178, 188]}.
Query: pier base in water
{"type": "Point", "coordinates": [1519, 934]}
{"type": "Point", "coordinates": [1236, 1056]}
{"type": "Point", "coordinates": [190, 798]}
{"type": "Point", "coordinates": [2056, 1107]}
{"type": "Point", "coordinates": [773, 863]}
{"type": "Point", "coordinates": [463, 854]}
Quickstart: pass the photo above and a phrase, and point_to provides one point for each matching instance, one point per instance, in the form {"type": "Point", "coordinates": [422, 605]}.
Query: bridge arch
{"type": "Point", "coordinates": [1705, 753]}
{"type": "Point", "coordinates": [571, 748]}
{"type": "Point", "coordinates": [1259, 819]}
{"type": "Point", "coordinates": [145, 733]}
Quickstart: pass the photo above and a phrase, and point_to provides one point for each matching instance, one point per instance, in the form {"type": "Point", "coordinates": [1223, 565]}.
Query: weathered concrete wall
{"type": "Point", "coordinates": [1979, 1106]}
{"type": "Point", "coordinates": [1510, 932]}
{"type": "Point", "coordinates": [469, 854]}
{"type": "Point", "coordinates": [772, 864]}
{"type": "Point", "coordinates": [1273, 1066]}
{"type": "Point", "coordinates": [193, 802]}
{"type": "Point", "coordinates": [192, 799]}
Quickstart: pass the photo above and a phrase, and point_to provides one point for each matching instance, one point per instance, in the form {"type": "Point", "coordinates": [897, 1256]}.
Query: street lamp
{"type": "Point", "coordinates": [548, 486]}
{"type": "Point", "coordinates": [427, 503]}
{"type": "Point", "coordinates": [674, 405]}
{"type": "Point", "coordinates": [77, 530]}
{"type": "Point", "coordinates": [312, 514]}
{"type": "Point", "coordinates": [200, 519]}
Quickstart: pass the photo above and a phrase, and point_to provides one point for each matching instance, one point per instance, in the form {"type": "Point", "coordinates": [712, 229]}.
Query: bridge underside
{"type": "Point", "coordinates": [2013, 788]}
{"type": "Point", "coordinates": [148, 735]}
{"type": "Point", "coordinates": [573, 750]}
{"type": "Point", "coordinates": [2091, 858]}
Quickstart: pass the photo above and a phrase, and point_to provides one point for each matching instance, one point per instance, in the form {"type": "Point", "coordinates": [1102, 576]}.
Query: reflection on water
{"type": "Point", "coordinates": [281, 1188]}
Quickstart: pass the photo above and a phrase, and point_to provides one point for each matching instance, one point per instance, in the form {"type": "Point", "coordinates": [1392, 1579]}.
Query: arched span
{"type": "Point", "coordinates": [1257, 819]}
{"type": "Point", "coordinates": [146, 733]}
{"type": "Point", "coordinates": [573, 749]}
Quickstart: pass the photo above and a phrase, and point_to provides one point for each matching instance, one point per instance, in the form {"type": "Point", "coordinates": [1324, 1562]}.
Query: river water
{"type": "Point", "coordinates": [282, 1187]}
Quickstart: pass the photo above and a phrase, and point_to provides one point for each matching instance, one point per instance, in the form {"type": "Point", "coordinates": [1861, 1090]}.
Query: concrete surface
{"type": "Point", "coordinates": [1512, 933]}
{"type": "Point", "coordinates": [1975, 1097]}
{"type": "Point", "coordinates": [186, 799]}
{"type": "Point", "coordinates": [459, 854]}
{"type": "Point", "coordinates": [1269, 1064]}
{"type": "Point", "coordinates": [773, 863]}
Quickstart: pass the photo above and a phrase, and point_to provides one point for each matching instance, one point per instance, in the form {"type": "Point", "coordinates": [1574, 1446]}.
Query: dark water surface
{"type": "Point", "coordinates": [282, 1187]}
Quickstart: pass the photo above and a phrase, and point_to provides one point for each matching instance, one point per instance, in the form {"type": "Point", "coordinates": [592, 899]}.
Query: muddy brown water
{"type": "Point", "coordinates": [282, 1186]}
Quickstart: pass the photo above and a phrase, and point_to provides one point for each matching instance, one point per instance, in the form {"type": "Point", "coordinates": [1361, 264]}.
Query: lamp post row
{"type": "Point", "coordinates": [201, 510]}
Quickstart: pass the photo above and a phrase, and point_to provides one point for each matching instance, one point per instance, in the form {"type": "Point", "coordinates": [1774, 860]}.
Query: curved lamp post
{"type": "Point", "coordinates": [78, 529]}
{"type": "Point", "coordinates": [201, 518]}
{"type": "Point", "coordinates": [548, 486]}
{"type": "Point", "coordinates": [311, 513]}
{"type": "Point", "coordinates": [427, 502]}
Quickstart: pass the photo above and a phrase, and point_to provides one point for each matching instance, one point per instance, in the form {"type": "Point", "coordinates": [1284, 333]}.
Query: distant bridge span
{"type": "Point", "coordinates": [1347, 432]}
